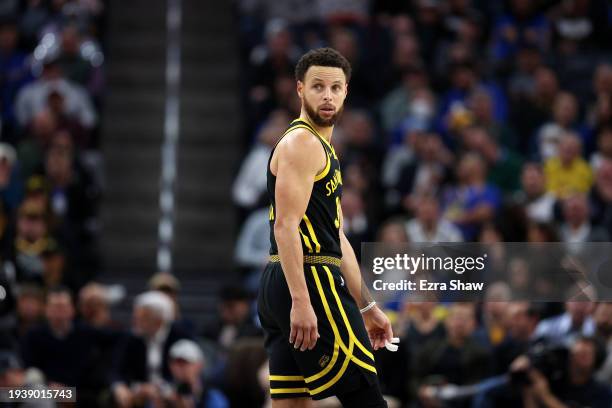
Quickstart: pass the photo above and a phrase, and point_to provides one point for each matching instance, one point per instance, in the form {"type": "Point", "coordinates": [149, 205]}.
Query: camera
{"type": "Point", "coordinates": [550, 359]}
{"type": "Point", "coordinates": [184, 389]}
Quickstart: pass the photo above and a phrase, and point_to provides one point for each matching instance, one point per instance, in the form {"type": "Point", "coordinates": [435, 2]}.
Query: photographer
{"type": "Point", "coordinates": [190, 391]}
{"type": "Point", "coordinates": [574, 386]}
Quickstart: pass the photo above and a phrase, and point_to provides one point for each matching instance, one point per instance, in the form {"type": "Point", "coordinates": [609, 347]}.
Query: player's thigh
{"type": "Point", "coordinates": [292, 402]}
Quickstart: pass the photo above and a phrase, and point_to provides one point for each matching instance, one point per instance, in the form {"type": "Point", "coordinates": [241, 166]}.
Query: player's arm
{"type": "Point", "coordinates": [376, 322]}
{"type": "Point", "coordinates": [299, 159]}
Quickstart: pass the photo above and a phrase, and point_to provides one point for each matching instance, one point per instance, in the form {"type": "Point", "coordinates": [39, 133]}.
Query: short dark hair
{"type": "Point", "coordinates": [322, 57]}
{"type": "Point", "coordinates": [59, 290]}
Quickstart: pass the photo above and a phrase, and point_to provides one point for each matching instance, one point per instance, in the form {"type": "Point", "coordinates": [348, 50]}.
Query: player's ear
{"type": "Point", "coordinates": [300, 88]}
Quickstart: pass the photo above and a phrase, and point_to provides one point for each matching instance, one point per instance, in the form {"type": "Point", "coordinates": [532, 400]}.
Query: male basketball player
{"type": "Point", "coordinates": [320, 320]}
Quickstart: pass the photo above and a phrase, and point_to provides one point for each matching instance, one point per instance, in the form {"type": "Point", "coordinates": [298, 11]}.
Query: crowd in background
{"type": "Point", "coordinates": [466, 121]}
{"type": "Point", "coordinates": [51, 88]}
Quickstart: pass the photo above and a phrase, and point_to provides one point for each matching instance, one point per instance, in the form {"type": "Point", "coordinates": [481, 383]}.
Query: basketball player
{"type": "Point", "coordinates": [320, 321]}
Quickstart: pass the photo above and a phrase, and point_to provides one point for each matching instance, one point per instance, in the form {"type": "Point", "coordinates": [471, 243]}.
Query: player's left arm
{"type": "Point", "coordinates": [376, 322]}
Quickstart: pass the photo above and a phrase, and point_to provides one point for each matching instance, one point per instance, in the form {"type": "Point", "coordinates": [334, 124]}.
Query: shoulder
{"type": "Point", "coordinates": [299, 139]}
{"type": "Point", "coordinates": [301, 149]}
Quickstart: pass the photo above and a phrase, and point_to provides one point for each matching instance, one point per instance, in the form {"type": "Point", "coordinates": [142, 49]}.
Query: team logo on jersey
{"type": "Point", "coordinates": [323, 360]}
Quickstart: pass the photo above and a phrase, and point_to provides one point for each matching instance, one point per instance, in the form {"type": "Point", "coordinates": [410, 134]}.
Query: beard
{"type": "Point", "coordinates": [317, 119]}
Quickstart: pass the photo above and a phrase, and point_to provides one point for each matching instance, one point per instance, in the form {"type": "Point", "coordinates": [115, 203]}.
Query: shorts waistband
{"type": "Point", "coordinates": [314, 259]}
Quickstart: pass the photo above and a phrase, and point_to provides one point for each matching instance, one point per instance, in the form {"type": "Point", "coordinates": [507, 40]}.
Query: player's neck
{"type": "Point", "coordinates": [325, 132]}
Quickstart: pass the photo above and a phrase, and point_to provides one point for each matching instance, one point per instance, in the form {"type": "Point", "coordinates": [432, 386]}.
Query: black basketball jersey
{"type": "Point", "coordinates": [320, 226]}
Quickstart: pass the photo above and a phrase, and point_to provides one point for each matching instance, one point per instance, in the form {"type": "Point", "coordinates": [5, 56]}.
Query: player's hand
{"type": "Point", "coordinates": [304, 333]}
{"type": "Point", "coordinates": [378, 326]}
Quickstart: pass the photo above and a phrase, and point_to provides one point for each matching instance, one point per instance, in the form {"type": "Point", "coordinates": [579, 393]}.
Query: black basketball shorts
{"type": "Point", "coordinates": [342, 357]}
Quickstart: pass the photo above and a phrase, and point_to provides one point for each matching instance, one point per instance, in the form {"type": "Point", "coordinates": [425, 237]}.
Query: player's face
{"type": "Point", "coordinates": [322, 93]}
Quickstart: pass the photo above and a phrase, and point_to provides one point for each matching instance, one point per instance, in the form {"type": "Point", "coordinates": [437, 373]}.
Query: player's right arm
{"type": "Point", "coordinates": [299, 157]}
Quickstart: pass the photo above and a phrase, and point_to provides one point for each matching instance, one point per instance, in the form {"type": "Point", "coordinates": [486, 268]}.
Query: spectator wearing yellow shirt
{"type": "Point", "coordinates": [568, 172]}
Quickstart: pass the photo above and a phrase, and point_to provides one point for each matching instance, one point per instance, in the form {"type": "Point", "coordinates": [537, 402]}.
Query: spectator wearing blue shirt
{"type": "Point", "coordinates": [473, 202]}
{"type": "Point", "coordinates": [186, 365]}
{"type": "Point", "coordinates": [522, 26]}
{"type": "Point", "coordinates": [14, 73]}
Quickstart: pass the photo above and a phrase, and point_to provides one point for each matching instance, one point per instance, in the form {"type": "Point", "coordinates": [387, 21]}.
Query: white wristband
{"type": "Point", "coordinates": [368, 307]}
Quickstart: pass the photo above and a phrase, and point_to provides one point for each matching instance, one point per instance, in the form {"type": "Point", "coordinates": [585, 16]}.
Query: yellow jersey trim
{"type": "Point", "coordinates": [348, 352]}
{"type": "Point", "coordinates": [312, 234]}
{"type": "Point", "coordinates": [312, 128]}
{"type": "Point", "coordinates": [306, 240]}
{"type": "Point", "coordinates": [288, 390]}
{"type": "Point", "coordinates": [285, 377]}
{"type": "Point", "coordinates": [342, 312]}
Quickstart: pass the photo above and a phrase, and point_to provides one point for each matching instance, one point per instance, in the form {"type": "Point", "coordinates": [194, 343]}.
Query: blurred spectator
{"type": "Point", "coordinates": [399, 156]}
{"type": "Point", "coordinates": [11, 185]}
{"type": "Point", "coordinates": [37, 137]}
{"type": "Point", "coordinates": [422, 325]}
{"type": "Point", "coordinates": [405, 59]}
{"type": "Point", "coordinates": [503, 164]}
{"type": "Point", "coordinates": [235, 318]}
{"type": "Point", "coordinates": [189, 388]}
{"type": "Point", "coordinates": [428, 226]}
{"type": "Point", "coordinates": [34, 97]}
{"type": "Point", "coordinates": [64, 350]}
{"type": "Point", "coordinates": [14, 74]}
{"type": "Point", "coordinates": [532, 110]}
{"type": "Point", "coordinates": [604, 149]}
{"type": "Point", "coordinates": [73, 65]}
{"type": "Point", "coordinates": [494, 317]}
{"type": "Point", "coordinates": [57, 107]}
{"type": "Point", "coordinates": [94, 306]}
{"type": "Point", "coordinates": [574, 384]}
{"type": "Point", "coordinates": [141, 365]}
{"type": "Point", "coordinates": [538, 203]}
{"type": "Point", "coordinates": [453, 114]}
{"type": "Point", "coordinates": [72, 192]}
{"type": "Point", "coordinates": [426, 174]}
{"type": "Point", "coordinates": [598, 113]}
{"type": "Point", "coordinates": [355, 221]}
{"type": "Point", "coordinates": [480, 104]}
{"type": "Point", "coordinates": [568, 172]}
{"type": "Point", "coordinates": [272, 60]}
{"type": "Point", "coordinates": [253, 248]}
{"type": "Point", "coordinates": [457, 359]}
{"type": "Point", "coordinates": [250, 184]}
{"type": "Point", "coordinates": [600, 200]}
{"type": "Point", "coordinates": [522, 25]}
{"type": "Point", "coordinates": [26, 250]}
{"type": "Point", "coordinates": [522, 322]}
{"type": "Point", "coordinates": [603, 331]}
{"type": "Point", "coordinates": [13, 375]}
{"type": "Point", "coordinates": [409, 106]}
{"type": "Point", "coordinates": [30, 309]}
{"type": "Point", "coordinates": [473, 202]}
{"type": "Point", "coordinates": [169, 284]}
{"type": "Point", "coordinates": [565, 112]}
{"type": "Point", "coordinates": [576, 226]}
{"type": "Point", "coordinates": [522, 81]}
{"type": "Point", "coordinates": [35, 15]}
{"type": "Point", "coordinates": [245, 358]}
{"type": "Point", "coordinates": [577, 387]}
{"type": "Point", "coordinates": [392, 231]}
{"type": "Point", "coordinates": [576, 320]}
{"type": "Point", "coordinates": [363, 79]}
